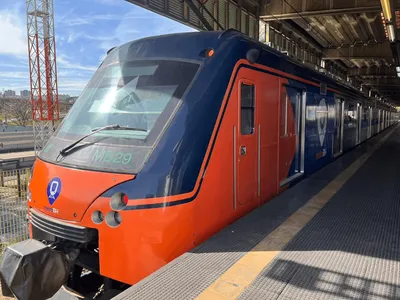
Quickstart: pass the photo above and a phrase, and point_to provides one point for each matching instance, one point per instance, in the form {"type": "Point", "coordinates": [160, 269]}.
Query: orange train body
{"type": "Point", "coordinates": [199, 141]}
{"type": "Point", "coordinates": [148, 239]}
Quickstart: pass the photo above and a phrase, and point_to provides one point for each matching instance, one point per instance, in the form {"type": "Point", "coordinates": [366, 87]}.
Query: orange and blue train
{"type": "Point", "coordinates": [177, 136]}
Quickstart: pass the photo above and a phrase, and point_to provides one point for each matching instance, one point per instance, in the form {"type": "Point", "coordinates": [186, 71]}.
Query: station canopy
{"type": "Point", "coordinates": [354, 41]}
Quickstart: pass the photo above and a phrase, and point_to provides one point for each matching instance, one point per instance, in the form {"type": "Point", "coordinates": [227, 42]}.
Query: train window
{"type": "Point", "coordinates": [284, 108]}
{"type": "Point", "coordinates": [247, 109]}
{"type": "Point", "coordinates": [350, 115]}
{"type": "Point", "coordinates": [365, 113]}
{"type": "Point", "coordinates": [137, 94]}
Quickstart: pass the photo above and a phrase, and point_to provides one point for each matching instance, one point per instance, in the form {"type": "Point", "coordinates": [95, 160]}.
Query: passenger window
{"type": "Point", "coordinates": [247, 109]}
{"type": "Point", "coordinates": [284, 108]}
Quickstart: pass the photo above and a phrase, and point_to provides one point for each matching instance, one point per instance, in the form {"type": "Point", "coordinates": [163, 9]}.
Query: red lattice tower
{"type": "Point", "coordinates": [43, 69]}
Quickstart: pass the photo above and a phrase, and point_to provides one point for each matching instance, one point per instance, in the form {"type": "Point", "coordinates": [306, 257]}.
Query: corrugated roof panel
{"type": "Point", "coordinates": [222, 6]}
{"type": "Point", "coordinates": [252, 27]}
{"type": "Point", "coordinates": [209, 5]}
{"type": "Point", "coordinates": [243, 23]}
{"type": "Point", "coordinates": [175, 9]}
{"type": "Point", "coordinates": [232, 15]}
{"type": "Point", "coordinates": [157, 4]}
{"type": "Point", "coordinates": [193, 19]}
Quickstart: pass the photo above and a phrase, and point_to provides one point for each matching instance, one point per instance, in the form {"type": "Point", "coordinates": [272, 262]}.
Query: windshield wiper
{"type": "Point", "coordinates": [117, 127]}
{"type": "Point", "coordinates": [96, 130]}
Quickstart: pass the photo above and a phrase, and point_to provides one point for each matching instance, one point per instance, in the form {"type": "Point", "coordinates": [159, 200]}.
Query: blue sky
{"type": "Point", "coordinates": [85, 30]}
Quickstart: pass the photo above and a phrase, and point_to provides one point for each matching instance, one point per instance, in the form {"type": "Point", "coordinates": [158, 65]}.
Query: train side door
{"type": "Point", "coordinates": [338, 133]}
{"type": "Point", "coordinates": [292, 137]}
{"type": "Point", "coordinates": [379, 120]}
{"type": "Point", "coordinates": [359, 118]}
{"type": "Point", "coordinates": [297, 99]}
{"type": "Point", "coordinates": [370, 122]}
{"type": "Point", "coordinates": [384, 119]}
{"type": "Point", "coordinates": [246, 144]}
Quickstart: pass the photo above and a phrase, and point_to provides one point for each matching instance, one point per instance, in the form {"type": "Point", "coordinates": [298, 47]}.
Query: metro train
{"type": "Point", "coordinates": [177, 136]}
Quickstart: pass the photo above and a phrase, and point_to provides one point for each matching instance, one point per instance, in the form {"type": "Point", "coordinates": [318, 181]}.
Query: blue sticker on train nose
{"type": "Point", "coordinates": [53, 190]}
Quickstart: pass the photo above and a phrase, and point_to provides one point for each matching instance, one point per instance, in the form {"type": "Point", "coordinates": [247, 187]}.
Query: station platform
{"type": "Point", "coordinates": [17, 155]}
{"type": "Point", "coordinates": [334, 235]}
{"type": "Point", "coordinates": [16, 160]}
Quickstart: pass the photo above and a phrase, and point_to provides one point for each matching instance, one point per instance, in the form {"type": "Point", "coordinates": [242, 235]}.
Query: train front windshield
{"type": "Point", "coordinates": [135, 94]}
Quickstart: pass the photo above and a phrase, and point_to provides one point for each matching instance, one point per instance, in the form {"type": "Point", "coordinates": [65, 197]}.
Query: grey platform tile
{"type": "Point", "coordinates": [187, 276]}
{"type": "Point", "coordinates": [351, 248]}
{"type": "Point", "coordinates": [261, 294]}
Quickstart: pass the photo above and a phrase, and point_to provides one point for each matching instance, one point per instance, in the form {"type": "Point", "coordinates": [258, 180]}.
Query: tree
{"type": "Point", "coordinates": [4, 109]}
{"type": "Point", "coordinates": [21, 111]}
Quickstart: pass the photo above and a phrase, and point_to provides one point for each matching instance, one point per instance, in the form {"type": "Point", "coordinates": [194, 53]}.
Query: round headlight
{"type": "Point", "coordinates": [113, 219]}
{"type": "Point", "coordinates": [97, 217]}
{"type": "Point", "coordinates": [118, 201]}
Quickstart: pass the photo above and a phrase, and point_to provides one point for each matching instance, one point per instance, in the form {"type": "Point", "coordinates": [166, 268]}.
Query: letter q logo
{"type": "Point", "coordinates": [53, 190]}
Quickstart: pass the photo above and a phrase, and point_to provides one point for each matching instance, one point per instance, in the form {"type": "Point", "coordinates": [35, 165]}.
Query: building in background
{"type": "Point", "coordinates": [9, 93]}
{"type": "Point", "coordinates": [62, 97]}
{"type": "Point", "coordinates": [66, 104]}
{"type": "Point", "coordinates": [25, 94]}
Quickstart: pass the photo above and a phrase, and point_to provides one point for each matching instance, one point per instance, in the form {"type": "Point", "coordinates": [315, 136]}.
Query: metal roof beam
{"type": "Point", "coordinates": [383, 82]}
{"type": "Point", "coordinates": [298, 32]}
{"type": "Point", "coordinates": [389, 93]}
{"type": "Point", "coordinates": [279, 10]}
{"type": "Point", "coordinates": [375, 51]}
{"type": "Point", "coordinates": [199, 15]}
{"type": "Point", "coordinates": [373, 71]}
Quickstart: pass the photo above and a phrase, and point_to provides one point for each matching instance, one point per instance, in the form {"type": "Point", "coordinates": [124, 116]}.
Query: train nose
{"type": "Point", "coordinates": [66, 193]}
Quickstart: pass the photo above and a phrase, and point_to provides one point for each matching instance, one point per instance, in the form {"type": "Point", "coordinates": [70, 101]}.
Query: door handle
{"type": "Point", "coordinates": [243, 150]}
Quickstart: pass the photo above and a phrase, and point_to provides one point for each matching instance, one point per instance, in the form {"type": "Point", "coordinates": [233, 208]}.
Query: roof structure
{"type": "Point", "coordinates": [355, 41]}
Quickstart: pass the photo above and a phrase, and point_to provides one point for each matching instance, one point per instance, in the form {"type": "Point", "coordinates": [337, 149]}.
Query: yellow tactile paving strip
{"type": "Point", "coordinates": [237, 278]}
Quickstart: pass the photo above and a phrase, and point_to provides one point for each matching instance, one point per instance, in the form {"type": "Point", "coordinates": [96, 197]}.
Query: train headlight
{"type": "Point", "coordinates": [118, 201]}
{"type": "Point", "coordinates": [97, 217]}
{"type": "Point", "coordinates": [118, 218]}
{"type": "Point", "coordinates": [113, 219]}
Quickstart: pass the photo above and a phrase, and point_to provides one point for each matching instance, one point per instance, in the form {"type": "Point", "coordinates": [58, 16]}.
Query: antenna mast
{"type": "Point", "coordinates": [43, 70]}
